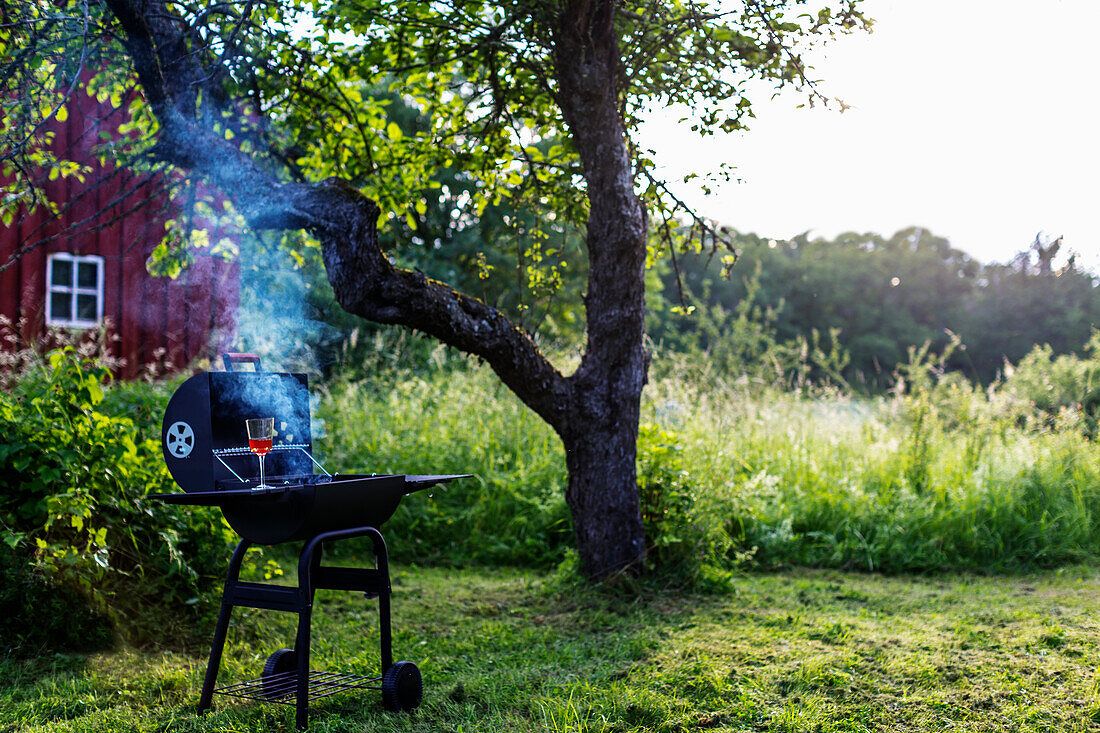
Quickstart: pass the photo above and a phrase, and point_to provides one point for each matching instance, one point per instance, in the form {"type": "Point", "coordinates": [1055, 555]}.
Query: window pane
{"type": "Point", "coordinates": [87, 274]}
{"type": "Point", "coordinates": [61, 306]}
{"type": "Point", "coordinates": [85, 307]}
{"type": "Point", "coordinates": [62, 273]}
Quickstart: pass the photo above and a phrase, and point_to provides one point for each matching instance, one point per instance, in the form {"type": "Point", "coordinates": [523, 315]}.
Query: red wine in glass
{"type": "Point", "coordinates": [260, 447]}
{"type": "Point", "coordinates": [261, 434]}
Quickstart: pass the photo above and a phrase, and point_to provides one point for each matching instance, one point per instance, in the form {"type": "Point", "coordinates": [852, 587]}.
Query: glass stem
{"type": "Point", "coordinates": [261, 472]}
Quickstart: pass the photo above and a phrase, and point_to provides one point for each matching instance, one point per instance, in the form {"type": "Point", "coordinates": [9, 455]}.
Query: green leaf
{"type": "Point", "coordinates": [95, 391]}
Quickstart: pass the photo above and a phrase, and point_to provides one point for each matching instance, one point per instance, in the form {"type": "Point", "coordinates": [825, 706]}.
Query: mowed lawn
{"type": "Point", "coordinates": [506, 650]}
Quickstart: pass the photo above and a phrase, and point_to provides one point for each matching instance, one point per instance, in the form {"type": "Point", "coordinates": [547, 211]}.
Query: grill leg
{"type": "Point", "coordinates": [308, 564]}
{"type": "Point", "coordinates": [381, 557]}
{"type": "Point", "coordinates": [215, 662]}
{"type": "Point", "coordinates": [301, 648]}
{"type": "Point", "coordinates": [222, 628]}
{"type": "Point", "coordinates": [384, 631]}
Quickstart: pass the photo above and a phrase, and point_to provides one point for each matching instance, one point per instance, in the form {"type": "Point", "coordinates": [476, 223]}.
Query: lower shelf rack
{"type": "Point", "coordinates": [281, 688]}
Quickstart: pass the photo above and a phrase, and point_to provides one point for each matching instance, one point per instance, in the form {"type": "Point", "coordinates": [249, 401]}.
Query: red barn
{"type": "Point", "coordinates": [85, 267]}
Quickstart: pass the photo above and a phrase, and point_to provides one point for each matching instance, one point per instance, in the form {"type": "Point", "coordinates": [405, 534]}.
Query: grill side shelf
{"type": "Point", "coordinates": [426, 481]}
{"type": "Point", "coordinates": [228, 497]}
{"type": "Point", "coordinates": [214, 498]}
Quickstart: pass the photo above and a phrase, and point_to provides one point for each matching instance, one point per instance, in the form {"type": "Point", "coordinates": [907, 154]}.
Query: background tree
{"type": "Point", "coordinates": [885, 294]}
{"type": "Point", "coordinates": [1032, 300]}
{"type": "Point", "coordinates": [273, 105]}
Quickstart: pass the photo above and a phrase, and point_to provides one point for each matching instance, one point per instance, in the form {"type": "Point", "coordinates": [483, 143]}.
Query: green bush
{"type": "Point", "coordinates": [76, 505]}
{"type": "Point", "coordinates": [39, 617]}
{"type": "Point", "coordinates": [1056, 392]}
{"type": "Point", "coordinates": [684, 546]}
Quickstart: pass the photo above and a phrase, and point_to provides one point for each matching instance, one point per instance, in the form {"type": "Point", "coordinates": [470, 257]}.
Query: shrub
{"type": "Point", "coordinates": [1056, 392]}
{"type": "Point", "coordinates": [37, 616]}
{"type": "Point", "coordinates": [684, 546]}
{"type": "Point", "coordinates": [76, 503]}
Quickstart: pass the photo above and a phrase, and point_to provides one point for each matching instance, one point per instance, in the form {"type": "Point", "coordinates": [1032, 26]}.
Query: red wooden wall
{"type": "Point", "coordinates": [153, 324]}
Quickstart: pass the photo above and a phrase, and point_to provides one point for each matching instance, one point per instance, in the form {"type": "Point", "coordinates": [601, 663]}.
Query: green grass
{"type": "Point", "coordinates": [949, 480]}
{"type": "Point", "coordinates": [461, 421]}
{"type": "Point", "coordinates": [886, 484]}
{"type": "Point", "coordinates": [509, 650]}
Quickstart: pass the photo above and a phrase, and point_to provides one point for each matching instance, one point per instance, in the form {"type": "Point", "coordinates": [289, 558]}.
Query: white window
{"type": "Point", "coordinates": [74, 290]}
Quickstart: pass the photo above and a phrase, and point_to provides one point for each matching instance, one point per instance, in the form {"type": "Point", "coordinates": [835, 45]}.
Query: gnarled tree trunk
{"type": "Point", "coordinates": [603, 493]}
{"type": "Point", "coordinates": [601, 431]}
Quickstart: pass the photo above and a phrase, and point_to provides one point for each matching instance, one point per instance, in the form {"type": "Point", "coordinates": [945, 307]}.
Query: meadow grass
{"type": "Point", "coordinates": [458, 420]}
{"type": "Point", "coordinates": [892, 484]}
{"type": "Point", "coordinates": [516, 650]}
{"type": "Point", "coordinates": [935, 481]}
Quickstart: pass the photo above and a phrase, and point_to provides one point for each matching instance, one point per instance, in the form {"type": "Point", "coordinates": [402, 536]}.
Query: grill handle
{"type": "Point", "coordinates": [233, 358]}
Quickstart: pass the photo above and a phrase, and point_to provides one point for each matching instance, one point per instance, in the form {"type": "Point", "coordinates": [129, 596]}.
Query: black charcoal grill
{"type": "Point", "coordinates": [206, 449]}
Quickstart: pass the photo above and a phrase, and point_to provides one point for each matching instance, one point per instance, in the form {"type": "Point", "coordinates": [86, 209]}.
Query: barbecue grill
{"type": "Point", "coordinates": [206, 449]}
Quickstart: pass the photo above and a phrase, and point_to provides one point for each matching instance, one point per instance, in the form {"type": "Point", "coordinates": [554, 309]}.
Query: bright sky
{"type": "Point", "coordinates": [977, 119]}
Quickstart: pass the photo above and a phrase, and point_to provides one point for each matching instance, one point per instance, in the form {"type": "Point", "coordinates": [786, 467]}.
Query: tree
{"type": "Point", "coordinates": [1028, 302]}
{"type": "Point", "coordinates": [883, 294]}
{"type": "Point", "coordinates": [273, 104]}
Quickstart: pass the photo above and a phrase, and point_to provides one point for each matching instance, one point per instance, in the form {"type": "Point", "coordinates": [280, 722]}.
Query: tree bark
{"type": "Point", "coordinates": [603, 494]}
{"type": "Point", "coordinates": [601, 432]}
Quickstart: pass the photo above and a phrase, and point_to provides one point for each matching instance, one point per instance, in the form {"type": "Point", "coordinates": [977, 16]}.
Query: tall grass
{"type": "Point", "coordinates": [941, 477]}
{"type": "Point", "coordinates": [733, 472]}
{"type": "Point", "coordinates": [885, 484]}
{"type": "Point", "coordinates": [454, 417]}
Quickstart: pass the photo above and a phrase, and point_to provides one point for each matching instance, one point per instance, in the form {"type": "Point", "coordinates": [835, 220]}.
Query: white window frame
{"type": "Point", "coordinates": [74, 290]}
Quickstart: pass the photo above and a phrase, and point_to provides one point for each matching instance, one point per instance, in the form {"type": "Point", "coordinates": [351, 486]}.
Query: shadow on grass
{"type": "Point", "coordinates": [512, 650]}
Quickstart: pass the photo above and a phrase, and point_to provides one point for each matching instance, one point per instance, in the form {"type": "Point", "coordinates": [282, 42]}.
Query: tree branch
{"type": "Point", "coordinates": [365, 282]}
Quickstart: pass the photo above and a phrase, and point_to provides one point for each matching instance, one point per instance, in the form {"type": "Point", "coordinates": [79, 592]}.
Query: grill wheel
{"type": "Point", "coordinates": [281, 662]}
{"type": "Point", "coordinates": [402, 688]}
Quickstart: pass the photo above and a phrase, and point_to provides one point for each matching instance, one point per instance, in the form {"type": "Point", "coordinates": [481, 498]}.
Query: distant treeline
{"type": "Point", "coordinates": [884, 295]}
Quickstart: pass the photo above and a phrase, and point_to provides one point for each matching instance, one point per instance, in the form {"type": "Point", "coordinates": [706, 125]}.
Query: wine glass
{"type": "Point", "coordinates": [261, 434]}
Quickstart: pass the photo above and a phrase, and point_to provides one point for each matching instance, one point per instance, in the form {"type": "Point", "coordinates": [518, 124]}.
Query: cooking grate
{"type": "Point", "coordinates": [302, 447]}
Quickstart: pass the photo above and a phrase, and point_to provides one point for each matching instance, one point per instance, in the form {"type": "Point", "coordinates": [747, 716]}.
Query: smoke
{"type": "Point", "coordinates": [276, 318]}
{"type": "Point", "coordinates": [238, 397]}
{"type": "Point", "coordinates": [263, 305]}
